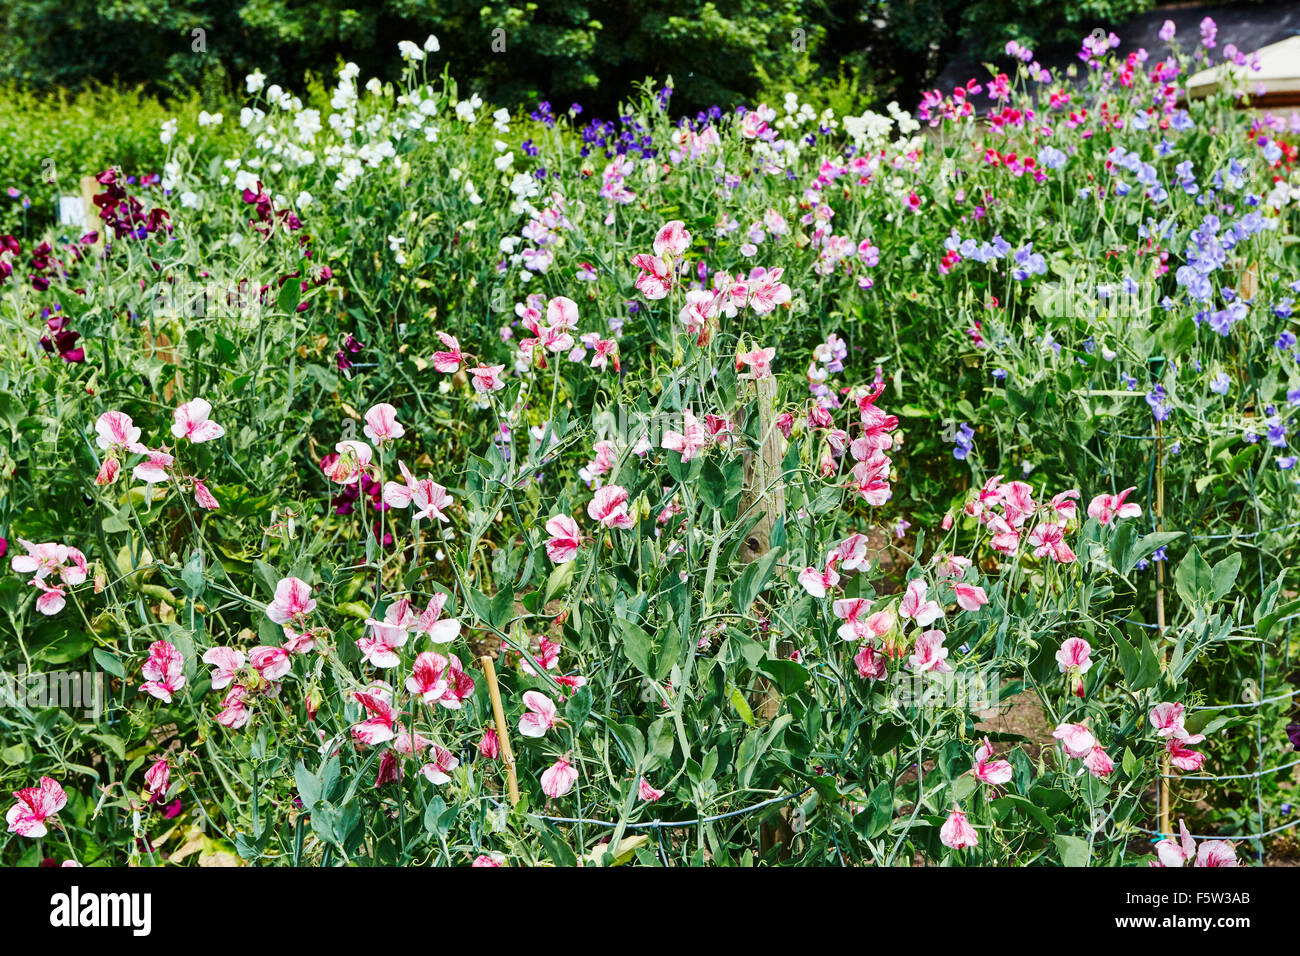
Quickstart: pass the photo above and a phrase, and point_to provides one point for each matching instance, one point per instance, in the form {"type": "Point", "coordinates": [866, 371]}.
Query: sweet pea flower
{"type": "Point", "coordinates": [541, 715]}
{"type": "Point", "coordinates": [439, 769]}
{"type": "Point", "coordinates": [350, 461]}
{"type": "Point", "coordinates": [234, 712]}
{"type": "Point", "coordinates": [53, 597]}
{"type": "Point", "coordinates": [431, 623]}
{"type": "Point", "coordinates": [565, 539]}
{"type": "Point", "coordinates": [957, 833]}
{"type": "Point", "coordinates": [819, 583]}
{"type": "Point", "coordinates": [428, 679]}
{"type": "Point", "coordinates": [154, 468]}
{"type": "Point", "coordinates": [1048, 538]}
{"type": "Point", "coordinates": [114, 431]}
{"type": "Point", "coordinates": [377, 728]}
{"type": "Point", "coordinates": [993, 772]}
{"type": "Point", "coordinates": [915, 606]}
{"type": "Point", "coordinates": [1098, 763]}
{"type": "Point", "coordinates": [930, 654]}
{"type": "Point", "coordinates": [1167, 718]}
{"type": "Point", "coordinates": [970, 597]}
{"type": "Point", "coordinates": [655, 278]}
{"type": "Point", "coordinates": [1108, 508]}
{"type": "Point", "coordinates": [559, 778]}
{"type": "Point", "coordinates": [382, 425]}
{"type": "Point", "coordinates": [1076, 739]}
{"type": "Point", "coordinates": [191, 421]}
{"type": "Point", "coordinates": [430, 498]}
{"type": "Point", "coordinates": [609, 508]}
{"type": "Point", "coordinates": [163, 671]}
{"type": "Point", "coordinates": [35, 806]}
{"type": "Point", "coordinates": [226, 662]}
{"type": "Point", "coordinates": [292, 601]}
{"type": "Point", "coordinates": [156, 781]}
{"type": "Point", "coordinates": [759, 362]}
{"type": "Point", "coordinates": [271, 662]}
{"type": "Point", "coordinates": [386, 637]}
{"type": "Point", "coordinates": [450, 360]}
{"type": "Point", "coordinates": [672, 239]}
{"type": "Point", "coordinates": [487, 378]}
{"type": "Point", "coordinates": [870, 663]}
{"type": "Point", "coordinates": [1171, 852]}
{"type": "Point", "coordinates": [43, 560]}
{"type": "Point", "coordinates": [1184, 758]}
{"type": "Point", "coordinates": [689, 441]}
{"type": "Point", "coordinates": [1074, 656]}
{"type": "Point", "coordinates": [648, 793]}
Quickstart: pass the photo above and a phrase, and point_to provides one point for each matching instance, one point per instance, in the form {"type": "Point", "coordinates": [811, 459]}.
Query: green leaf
{"type": "Point", "coordinates": [309, 786]}
{"type": "Point", "coordinates": [1194, 579]}
{"type": "Point", "coordinates": [192, 576]}
{"type": "Point", "coordinates": [740, 704]}
{"type": "Point", "coordinates": [879, 812]}
{"type": "Point", "coordinates": [559, 580]}
{"type": "Point", "coordinates": [1224, 575]}
{"type": "Point", "coordinates": [1148, 545]}
{"type": "Point", "coordinates": [577, 708]}
{"type": "Point", "coordinates": [1074, 851]}
{"type": "Point", "coordinates": [109, 662]}
{"type": "Point", "coordinates": [636, 643]}
{"type": "Point", "coordinates": [752, 580]}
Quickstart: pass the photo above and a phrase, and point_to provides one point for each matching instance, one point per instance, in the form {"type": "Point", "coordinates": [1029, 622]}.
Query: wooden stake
{"type": "Point", "coordinates": [503, 737]}
{"type": "Point", "coordinates": [765, 487]}
{"type": "Point", "coordinates": [90, 186]}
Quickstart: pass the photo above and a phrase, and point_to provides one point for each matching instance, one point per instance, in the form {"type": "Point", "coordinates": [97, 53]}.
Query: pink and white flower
{"type": "Point", "coordinates": [957, 833]}
{"type": "Point", "coordinates": [541, 714]}
{"type": "Point", "coordinates": [226, 662]}
{"type": "Point", "coordinates": [609, 508]}
{"type": "Point", "coordinates": [164, 671]}
{"type": "Point", "coordinates": [565, 539]}
{"type": "Point", "coordinates": [993, 772]}
{"type": "Point", "coordinates": [916, 607]}
{"type": "Point", "coordinates": [930, 654]}
{"type": "Point", "coordinates": [559, 778]}
{"type": "Point", "coordinates": [430, 498]}
{"type": "Point", "coordinates": [292, 601]}
{"type": "Point", "coordinates": [382, 425]}
{"type": "Point", "coordinates": [34, 808]}
{"type": "Point", "coordinates": [1108, 508]}
{"type": "Point", "coordinates": [192, 421]}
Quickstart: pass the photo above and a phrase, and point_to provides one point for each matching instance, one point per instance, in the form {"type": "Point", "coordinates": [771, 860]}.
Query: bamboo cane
{"type": "Point", "coordinates": [503, 737]}
{"type": "Point", "coordinates": [1162, 788]}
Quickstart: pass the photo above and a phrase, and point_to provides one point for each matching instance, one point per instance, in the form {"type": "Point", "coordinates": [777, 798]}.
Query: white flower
{"type": "Point", "coordinates": [255, 81]}
{"type": "Point", "coordinates": [349, 72]}
{"type": "Point", "coordinates": [431, 44]}
{"type": "Point", "coordinates": [245, 180]}
{"type": "Point", "coordinates": [503, 163]}
{"type": "Point", "coordinates": [189, 200]}
{"type": "Point", "coordinates": [168, 131]}
{"type": "Point", "coordinates": [501, 120]}
{"type": "Point", "coordinates": [209, 119]}
{"type": "Point", "coordinates": [304, 200]}
{"type": "Point", "coordinates": [409, 51]}
{"type": "Point", "coordinates": [308, 125]}
{"type": "Point", "coordinates": [374, 86]}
